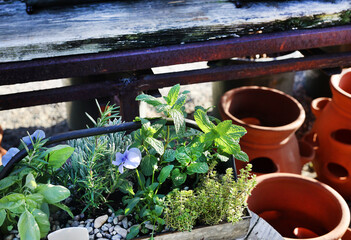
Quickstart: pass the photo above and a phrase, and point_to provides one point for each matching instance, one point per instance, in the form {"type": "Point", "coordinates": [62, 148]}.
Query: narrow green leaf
{"type": "Point", "coordinates": [134, 231]}
{"type": "Point", "coordinates": [149, 99]}
{"type": "Point", "coordinates": [179, 120]}
{"type": "Point", "coordinates": [203, 121]}
{"type": "Point", "coordinates": [180, 102]}
{"type": "Point", "coordinates": [43, 222]}
{"type": "Point", "coordinates": [2, 216]}
{"type": "Point", "coordinates": [178, 178]}
{"type": "Point", "coordinates": [27, 227]}
{"type": "Point", "coordinates": [173, 94]}
{"type": "Point", "coordinates": [131, 205]}
{"type": "Point", "coordinates": [165, 172]}
{"type": "Point", "coordinates": [161, 221]}
{"type": "Point", "coordinates": [156, 144]}
{"type": "Point", "coordinates": [148, 164]}
{"type": "Point", "coordinates": [242, 156]}
{"type": "Point", "coordinates": [64, 208]}
{"type": "Point", "coordinates": [198, 167]}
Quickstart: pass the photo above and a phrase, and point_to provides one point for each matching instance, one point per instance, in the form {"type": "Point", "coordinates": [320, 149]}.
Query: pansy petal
{"type": "Point", "coordinates": [132, 161]}
{"type": "Point", "coordinates": [120, 168]}
{"type": "Point", "coordinates": [38, 134]}
{"type": "Point", "coordinates": [119, 158]}
{"type": "Point", "coordinates": [26, 140]}
{"type": "Point", "coordinates": [8, 156]}
{"type": "Point", "coordinates": [135, 150]}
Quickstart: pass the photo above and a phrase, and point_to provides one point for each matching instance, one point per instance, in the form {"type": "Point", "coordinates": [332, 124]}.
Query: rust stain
{"type": "Point", "coordinates": [200, 19]}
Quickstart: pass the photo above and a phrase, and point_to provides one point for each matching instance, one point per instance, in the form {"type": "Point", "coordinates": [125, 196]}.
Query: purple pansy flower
{"type": "Point", "coordinates": [129, 159]}
{"type": "Point", "coordinates": [37, 135]}
{"type": "Point", "coordinates": [9, 155]}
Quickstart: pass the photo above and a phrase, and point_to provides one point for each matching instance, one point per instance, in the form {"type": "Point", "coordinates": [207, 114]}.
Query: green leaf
{"type": "Point", "coordinates": [30, 182]}
{"type": "Point", "coordinates": [198, 167]}
{"type": "Point", "coordinates": [12, 202]}
{"type": "Point", "coordinates": [242, 156]}
{"type": "Point", "coordinates": [153, 186]}
{"type": "Point", "coordinates": [158, 210]}
{"type": "Point", "coordinates": [223, 127]}
{"type": "Point", "coordinates": [228, 144]}
{"type": "Point", "coordinates": [237, 131]}
{"type": "Point", "coordinates": [2, 216]}
{"type": "Point", "coordinates": [173, 94]}
{"type": "Point", "coordinates": [203, 121]}
{"type": "Point", "coordinates": [134, 231]}
{"type": "Point", "coordinates": [64, 208]}
{"type": "Point", "coordinates": [53, 194]}
{"type": "Point", "coordinates": [165, 172]}
{"type": "Point", "coordinates": [178, 178]}
{"type": "Point", "coordinates": [169, 155]}
{"type": "Point", "coordinates": [45, 208]}
{"type": "Point", "coordinates": [43, 222]}
{"type": "Point", "coordinates": [34, 200]}
{"type": "Point", "coordinates": [149, 99]}
{"type": "Point", "coordinates": [180, 102]}
{"type": "Point", "coordinates": [161, 221]}
{"type": "Point", "coordinates": [27, 227]}
{"type": "Point", "coordinates": [125, 186]}
{"type": "Point", "coordinates": [222, 158]}
{"type": "Point", "coordinates": [179, 120]}
{"type": "Point", "coordinates": [156, 144]}
{"type": "Point", "coordinates": [58, 155]}
{"type": "Point", "coordinates": [131, 205]}
{"type": "Point", "coordinates": [182, 156]}
{"type": "Point", "coordinates": [7, 182]}
{"type": "Point", "coordinates": [148, 164]}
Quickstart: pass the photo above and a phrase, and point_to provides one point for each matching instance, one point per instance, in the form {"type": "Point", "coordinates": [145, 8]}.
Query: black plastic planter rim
{"type": "Point", "coordinates": [127, 126]}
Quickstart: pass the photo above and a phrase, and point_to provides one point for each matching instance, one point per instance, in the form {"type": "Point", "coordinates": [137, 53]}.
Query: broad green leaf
{"type": "Point", "coordinates": [64, 208]}
{"type": "Point", "coordinates": [30, 182]}
{"type": "Point", "coordinates": [228, 145]}
{"type": "Point", "coordinates": [7, 182]}
{"type": "Point", "coordinates": [153, 186]}
{"type": "Point", "coordinates": [131, 205]}
{"type": "Point", "coordinates": [203, 121]}
{"type": "Point", "coordinates": [169, 155]}
{"type": "Point", "coordinates": [58, 155]}
{"type": "Point", "coordinates": [158, 210]}
{"type": "Point", "coordinates": [242, 156]}
{"type": "Point", "coordinates": [148, 164]}
{"type": "Point", "coordinates": [180, 102]}
{"type": "Point", "coordinates": [165, 172]}
{"type": "Point", "coordinates": [2, 216]}
{"type": "Point", "coordinates": [125, 186]}
{"type": "Point", "coordinates": [149, 99]}
{"type": "Point", "coordinates": [27, 227]}
{"type": "Point", "coordinates": [134, 231]}
{"type": "Point", "coordinates": [237, 131]}
{"type": "Point", "coordinates": [198, 167]}
{"type": "Point", "coordinates": [222, 158]}
{"type": "Point", "coordinates": [53, 194]}
{"type": "Point", "coordinates": [182, 156]}
{"type": "Point", "coordinates": [161, 221]}
{"type": "Point", "coordinates": [34, 200]}
{"type": "Point", "coordinates": [12, 201]}
{"type": "Point", "coordinates": [45, 208]}
{"type": "Point", "coordinates": [179, 120]}
{"type": "Point", "coordinates": [178, 178]}
{"type": "Point", "coordinates": [43, 222]}
{"type": "Point", "coordinates": [173, 94]}
{"type": "Point", "coordinates": [223, 127]}
{"type": "Point", "coordinates": [156, 144]}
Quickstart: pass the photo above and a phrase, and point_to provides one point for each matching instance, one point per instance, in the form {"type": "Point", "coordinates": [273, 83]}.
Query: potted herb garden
{"type": "Point", "coordinates": [150, 178]}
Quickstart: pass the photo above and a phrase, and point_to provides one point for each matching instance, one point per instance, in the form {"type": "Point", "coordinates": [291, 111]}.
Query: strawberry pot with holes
{"type": "Point", "coordinates": [271, 119]}
{"type": "Point", "coordinates": [130, 179]}
{"type": "Point", "coordinates": [331, 135]}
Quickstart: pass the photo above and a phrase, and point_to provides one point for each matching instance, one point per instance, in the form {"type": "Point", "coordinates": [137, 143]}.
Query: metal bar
{"type": "Point", "coordinates": [62, 94]}
{"type": "Point", "coordinates": [111, 62]}
{"type": "Point", "coordinates": [243, 71]}
{"type": "Point", "coordinates": [147, 82]}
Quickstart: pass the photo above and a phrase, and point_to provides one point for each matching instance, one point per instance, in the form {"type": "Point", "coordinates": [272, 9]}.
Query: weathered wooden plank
{"type": "Point", "coordinates": [262, 230]}
{"type": "Point", "coordinates": [92, 28]}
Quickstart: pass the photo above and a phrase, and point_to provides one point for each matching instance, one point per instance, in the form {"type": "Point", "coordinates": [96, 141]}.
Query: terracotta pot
{"type": "Point", "coordinates": [300, 207]}
{"type": "Point", "coordinates": [271, 119]}
{"type": "Point", "coordinates": [331, 135]}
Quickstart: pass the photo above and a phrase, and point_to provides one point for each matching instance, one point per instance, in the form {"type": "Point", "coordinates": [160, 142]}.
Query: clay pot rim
{"type": "Point", "coordinates": [345, 218]}
{"type": "Point", "coordinates": [297, 123]}
{"type": "Point", "coordinates": [335, 81]}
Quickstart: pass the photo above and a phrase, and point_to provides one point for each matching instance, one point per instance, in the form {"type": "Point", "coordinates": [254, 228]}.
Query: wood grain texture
{"type": "Point", "coordinates": [117, 25]}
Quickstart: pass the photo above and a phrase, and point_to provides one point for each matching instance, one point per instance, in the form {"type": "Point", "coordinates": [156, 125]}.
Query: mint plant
{"type": "Point", "coordinates": [27, 193]}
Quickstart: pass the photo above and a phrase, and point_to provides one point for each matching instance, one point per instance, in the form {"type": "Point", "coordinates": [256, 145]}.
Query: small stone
{"type": "Point", "coordinates": [116, 237]}
{"type": "Point", "coordinates": [102, 238]}
{"type": "Point", "coordinates": [125, 222]}
{"type": "Point", "coordinates": [114, 233]}
{"type": "Point", "coordinates": [108, 236]}
{"type": "Point", "coordinates": [120, 217]}
{"type": "Point", "coordinates": [110, 229]}
{"type": "Point", "coordinates": [81, 222]}
{"type": "Point", "coordinates": [76, 218]}
{"type": "Point", "coordinates": [113, 215]}
{"type": "Point", "coordinates": [90, 229]}
{"type": "Point", "coordinates": [14, 231]}
{"type": "Point", "coordinates": [129, 224]}
{"type": "Point", "coordinates": [110, 219]}
{"type": "Point", "coordinates": [9, 237]}
{"type": "Point", "coordinates": [121, 231]}
{"type": "Point", "coordinates": [99, 235]}
{"type": "Point", "coordinates": [81, 225]}
{"type": "Point", "coordinates": [91, 237]}
{"type": "Point", "coordinates": [109, 211]}
{"type": "Point", "coordinates": [88, 225]}
{"type": "Point", "coordinates": [149, 226]}
{"type": "Point", "coordinates": [90, 220]}
{"type": "Point", "coordinates": [115, 221]}
{"type": "Point", "coordinates": [100, 221]}
{"type": "Point", "coordinates": [104, 228]}
{"type": "Point", "coordinates": [96, 231]}
{"type": "Point", "coordinates": [75, 224]}
{"type": "Point", "coordinates": [81, 215]}
{"type": "Point", "coordinates": [16, 239]}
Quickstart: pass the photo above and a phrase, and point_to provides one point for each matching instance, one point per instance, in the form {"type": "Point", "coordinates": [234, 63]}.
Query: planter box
{"type": "Point", "coordinates": [225, 231]}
